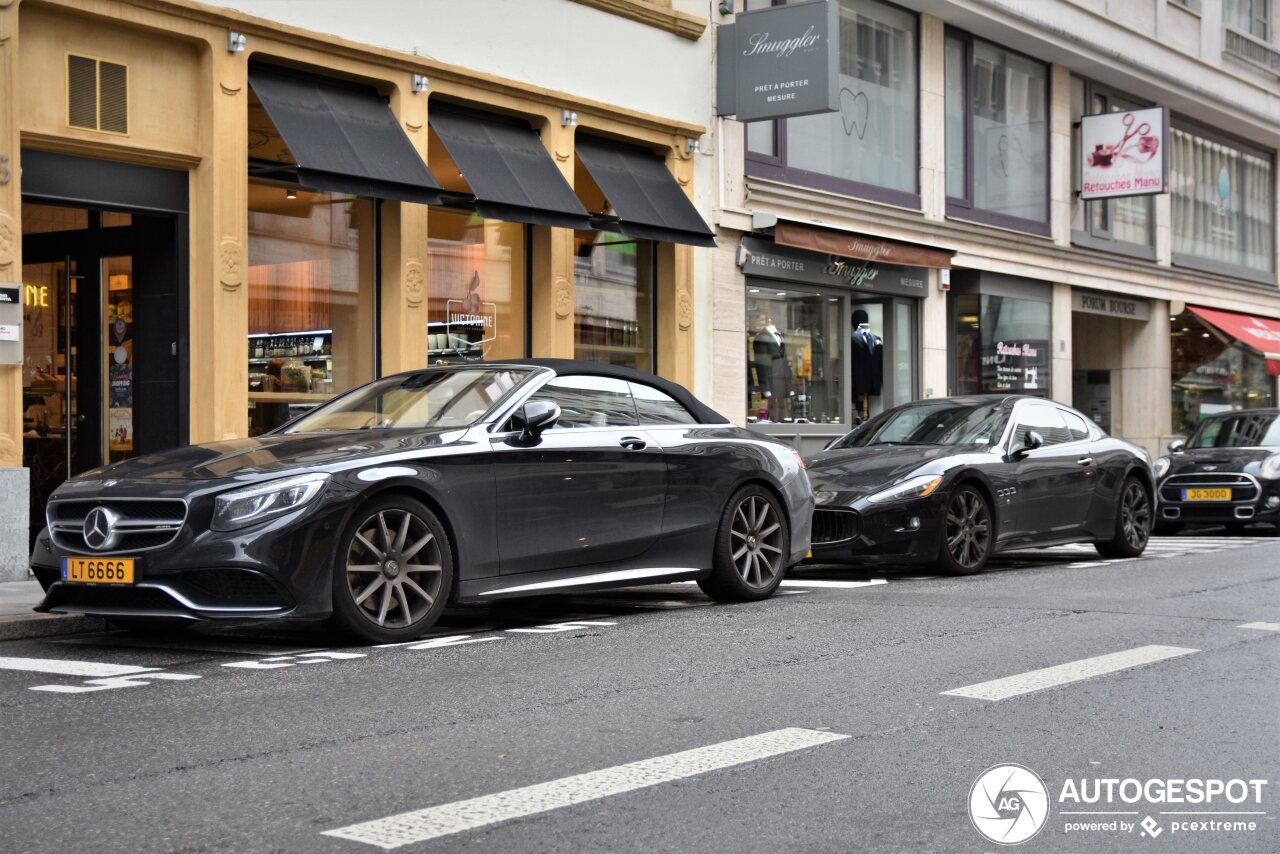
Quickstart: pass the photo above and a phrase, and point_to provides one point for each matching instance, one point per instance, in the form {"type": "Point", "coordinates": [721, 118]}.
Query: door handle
{"type": "Point", "coordinates": [633, 443]}
{"type": "Point", "coordinates": [1085, 461]}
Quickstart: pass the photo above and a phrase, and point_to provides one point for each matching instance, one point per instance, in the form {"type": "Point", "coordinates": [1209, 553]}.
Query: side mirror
{"type": "Point", "coordinates": [537, 416]}
{"type": "Point", "coordinates": [1177, 446]}
{"type": "Point", "coordinates": [1030, 441]}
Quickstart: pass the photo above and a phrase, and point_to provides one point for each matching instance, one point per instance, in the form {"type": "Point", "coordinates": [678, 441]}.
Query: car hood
{"type": "Point", "coordinates": [267, 455]}
{"type": "Point", "coordinates": [1217, 459]}
{"type": "Point", "coordinates": [862, 470]}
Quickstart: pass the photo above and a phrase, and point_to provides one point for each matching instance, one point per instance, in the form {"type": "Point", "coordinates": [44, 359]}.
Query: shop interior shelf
{"type": "Point", "coordinates": [288, 397]}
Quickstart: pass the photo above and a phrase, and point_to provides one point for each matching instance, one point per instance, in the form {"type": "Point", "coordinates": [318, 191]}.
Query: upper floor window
{"type": "Point", "coordinates": [869, 147]}
{"type": "Point", "coordinates": [1248, 16]}
{"type": "Point", "coordinates": [997, 135]}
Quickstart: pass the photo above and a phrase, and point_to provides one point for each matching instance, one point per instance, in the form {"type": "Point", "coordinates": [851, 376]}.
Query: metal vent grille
{"type": "Point", "coordinates": [97, 94]}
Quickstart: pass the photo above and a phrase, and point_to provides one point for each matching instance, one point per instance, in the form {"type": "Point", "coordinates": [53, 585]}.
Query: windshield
{"type": "Point", "coordinates": [431, 399]}
{"type": "Point", "coordinates": [1245, 430]}
{"type": "Point", "coordinates": [943, 423]}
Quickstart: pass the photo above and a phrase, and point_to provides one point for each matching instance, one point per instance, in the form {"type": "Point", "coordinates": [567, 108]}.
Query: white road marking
{"type": "Point", "coordinates": [432, 822]}
{"type": "Point", "coordinates": [70, 668]}
{"type": "Point", "coordinates": [821, 582]}
{"type": "Point", "coordinates": [553, 628]}
{"type": "Point", "coordinates": [1262, 627]}
{"type": "Point", "coordinates": [1073, 671]}
{"type": "Point", "coordinates": [276, 662]}
{"type": "Point", "coordinates": [139, 680]}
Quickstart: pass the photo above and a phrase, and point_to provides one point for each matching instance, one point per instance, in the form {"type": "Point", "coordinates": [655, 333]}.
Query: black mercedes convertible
{"type": "Point", "coordinates": [952, 481]}
{"type": "Point", "coordinates": [464, 483]}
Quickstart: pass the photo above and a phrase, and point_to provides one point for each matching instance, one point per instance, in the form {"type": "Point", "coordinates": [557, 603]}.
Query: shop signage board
{"type": "Point", "coordinates": [1124, 154]}
{"type": "Point", "coordinates": [860, 246]}
{"type": "Point", "coordinates": [778, 62]}
{"type": "Point", "coordinates": [1090, 302]}
{"type": "Point", "coordinates": [784, 263]}
{"type": "Point", "coordinates": [10, 323]}
{"type": "Point", "coordinates": [1017, 367]}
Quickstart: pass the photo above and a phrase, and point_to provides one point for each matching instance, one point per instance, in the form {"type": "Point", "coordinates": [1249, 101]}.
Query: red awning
{"type": "Point", "coordinates": [1260, 333]}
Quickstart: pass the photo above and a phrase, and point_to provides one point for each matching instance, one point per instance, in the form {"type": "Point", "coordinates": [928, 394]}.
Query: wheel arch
{"type": "Point", "coordinates": [410, 489]}
{"type": "Point", "coordinates": [975, 478]}
{"type": "Point", "coordinates": [774, 489]}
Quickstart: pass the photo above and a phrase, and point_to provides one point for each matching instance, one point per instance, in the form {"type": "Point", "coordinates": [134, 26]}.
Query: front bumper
{"type": "Point", "coordinates": [896, 532]}
{"type": "Point", "coordinates": [278, 569]}
{"type": "Point", "coordinates": [1248, 504]}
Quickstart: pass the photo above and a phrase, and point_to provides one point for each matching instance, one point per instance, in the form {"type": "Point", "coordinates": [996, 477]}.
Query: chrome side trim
{"type": "Point", "coordinates": [597, 578]}
{"type": "Point", "coordinates": [183, 600]}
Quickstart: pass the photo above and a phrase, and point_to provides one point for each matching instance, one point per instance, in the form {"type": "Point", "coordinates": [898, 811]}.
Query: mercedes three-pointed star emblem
{"type": "Point", "coordinates": [99, 529]}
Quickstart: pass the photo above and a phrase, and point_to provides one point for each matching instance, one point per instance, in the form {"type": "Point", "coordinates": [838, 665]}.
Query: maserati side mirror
{"type": "Point", "coordinates": [537, 416]}
{"type": "Point", "coordinates": [1030, 441]}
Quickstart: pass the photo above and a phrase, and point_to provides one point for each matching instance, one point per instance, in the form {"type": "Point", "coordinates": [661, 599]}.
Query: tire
{"type": "Point", "coordinates": [1133, 522]}
{"type": "Point", "coordinates": [751, 550]}
{"type": "Point", "coordinates": [967, 532]}
{"type": "Point", "coordinates": [379, 596]}
{"type": "Point", "coordinates": [1166, 529]}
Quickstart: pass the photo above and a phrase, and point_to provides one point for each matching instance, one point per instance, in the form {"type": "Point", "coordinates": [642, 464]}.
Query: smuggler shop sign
{"type": "Point", "coordinates": [770, 261]}
{"type": "Point", "coordinates": [778, 62]}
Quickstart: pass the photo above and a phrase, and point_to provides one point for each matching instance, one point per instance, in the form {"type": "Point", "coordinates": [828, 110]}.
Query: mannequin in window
{"type": "Point", "coordinates": [773, 373]}
{"type": "Point", "coordinates": [867, 358]}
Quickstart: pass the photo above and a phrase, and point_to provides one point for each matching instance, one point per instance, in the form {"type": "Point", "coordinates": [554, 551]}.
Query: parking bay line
{"type": "Point", "coordinates": [64, 667]}
{"type": "Point", "coordinates": [446, 819]}
{"type": "Point", "coordinates": [1262, 627]}
{"type": "Point", "coordinates": [1072, 671]}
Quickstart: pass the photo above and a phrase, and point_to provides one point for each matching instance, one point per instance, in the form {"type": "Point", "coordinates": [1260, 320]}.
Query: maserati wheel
{"type": "Point", "coordinates": [967, 535]}
{"type": "Point", "coordinates": [1133, 522]}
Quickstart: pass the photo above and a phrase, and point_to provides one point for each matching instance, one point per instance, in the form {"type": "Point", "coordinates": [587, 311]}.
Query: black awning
{"type": "Point", "coordinates": [648, 203]}
{"type": "Point", "coordinates": [508, 169]}
{"type": "Point", "coordinates": [343, 136]}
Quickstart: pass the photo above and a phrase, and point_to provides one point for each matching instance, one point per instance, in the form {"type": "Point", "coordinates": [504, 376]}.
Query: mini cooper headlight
{"type": "Point", "coordinates": [916, 487]}
{"type": "Point", "coordinates": [1270, 467]}
{"type": "Point", "coordinates": [254, 504]}
{"type": "Point", "coordinates": [1161, 467]}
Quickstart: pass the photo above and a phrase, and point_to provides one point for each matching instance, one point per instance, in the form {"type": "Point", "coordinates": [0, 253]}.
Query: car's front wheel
{"type": "Point", "coordinates": [393, 571]}
{"type": "Point", "coordinates": [1133, 522]}
{"type": "Point", "coordinates": [967, 532]}
{"type": "Point", "coordinates": [752, 545]}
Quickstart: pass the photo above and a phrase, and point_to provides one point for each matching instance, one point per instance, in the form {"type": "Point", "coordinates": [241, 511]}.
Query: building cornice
{"type": "Point", "coordinates": [653, 14]}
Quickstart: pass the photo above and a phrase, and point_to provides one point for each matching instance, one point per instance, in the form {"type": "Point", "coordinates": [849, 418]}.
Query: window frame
{"type": "Point", "coordinates": [964, 208]}
{"type": "Point", "coordinates": [1100, 238]}
{"type": "Point", "coordinates": [774, 167]}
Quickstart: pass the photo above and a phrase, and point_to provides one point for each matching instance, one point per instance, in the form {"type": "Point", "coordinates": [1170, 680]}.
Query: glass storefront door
{"type": "Point", "coordinates": [882, 354]}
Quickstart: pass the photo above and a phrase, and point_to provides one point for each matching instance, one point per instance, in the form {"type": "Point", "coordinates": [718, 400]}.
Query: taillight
{"type": "Point", "coordinates": [799, 459]}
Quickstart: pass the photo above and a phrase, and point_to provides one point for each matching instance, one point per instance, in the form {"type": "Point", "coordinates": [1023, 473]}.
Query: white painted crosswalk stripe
{"type": "Point", "coordinates": [822, 582]}
{"type": "Point", "coordinates": [433, 822]}
{"type": "Point", "coordinates": [1072, 671]}
{"type": "Point", "coordinates": [63, 667]}
{"type": "Point", "coordinates": [1262, 627]}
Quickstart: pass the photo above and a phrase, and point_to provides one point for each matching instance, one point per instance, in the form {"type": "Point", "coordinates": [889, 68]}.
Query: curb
{"type": "Point", "coordinates": [24, 626]}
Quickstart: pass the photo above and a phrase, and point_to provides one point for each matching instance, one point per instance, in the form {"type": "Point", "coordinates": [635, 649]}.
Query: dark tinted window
{"type": "Point", "coordinates": [590, 401]}
{"type": "Point", "coordinates": [658, 407]}
{"type": "Point", "coordinates": [1045, 420]}
{"type": "Point", "coordinates": [1075, 425]}
{"type": "Point", "coordinates": [1245, 430]}
{"type": "Point", "coordinates": [943, 423]}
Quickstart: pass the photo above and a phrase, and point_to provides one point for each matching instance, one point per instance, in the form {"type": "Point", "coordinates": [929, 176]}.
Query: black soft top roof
{"type": "Point", "coordinates": [702, 413]}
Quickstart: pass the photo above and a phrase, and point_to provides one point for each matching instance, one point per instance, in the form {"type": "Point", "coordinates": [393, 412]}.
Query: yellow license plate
{"type": "Point", "coordinates": [1206, 495]}
{"type": "Point", "coordinates": [98, 570]}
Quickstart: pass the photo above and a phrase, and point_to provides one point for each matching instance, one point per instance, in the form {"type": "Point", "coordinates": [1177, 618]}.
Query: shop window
{"type": "Point", "coordinates": [311, 299]}
{"type": "Point", "coordinates": [1001, 345]}
{"type": "Point", "coordinates": [477, 270]}
{"type": "Point", "coordinates": [1123, 225]}
{"type": "Point", "coordinates": [795, 355]}
{"type": "Point", "coordinates": [1212, 374]}
{"type": "Point", "coordinates": [869, 147]}
{"type": "Point", "coordinates": [1223, 195]}
{"type": "Point", "coordinates": [613, 300]}
{"type": "Point", "coordinates": [1003, 140]}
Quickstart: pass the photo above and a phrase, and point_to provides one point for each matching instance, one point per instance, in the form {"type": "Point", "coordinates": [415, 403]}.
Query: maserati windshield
{"type": "Point", "coordinates": [1245, 430]}
{"type": "Point", "coordinates": [945, 423]}
{"type": "Point", "coordinates": [430, 399]}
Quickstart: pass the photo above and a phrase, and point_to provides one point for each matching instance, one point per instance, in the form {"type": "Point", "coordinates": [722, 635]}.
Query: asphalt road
{"type": "Point", "coordinates": [817, 722]}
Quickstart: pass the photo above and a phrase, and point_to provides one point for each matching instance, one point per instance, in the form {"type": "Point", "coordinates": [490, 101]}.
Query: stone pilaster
{"type": "Point", "coordinates": [551, 305]}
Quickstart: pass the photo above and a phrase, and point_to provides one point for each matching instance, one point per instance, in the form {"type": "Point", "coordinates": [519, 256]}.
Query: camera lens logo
{"type": "Point", "coordinates": [1008, 804]}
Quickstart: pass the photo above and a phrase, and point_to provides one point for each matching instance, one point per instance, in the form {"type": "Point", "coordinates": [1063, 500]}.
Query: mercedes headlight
{"type": "Point", "coordinates": [1161, 467]}
{"type": "Point", "coordinates": [1271, 467]}
{"type": "Point", "coordinates": [255, 504]}
{"type": "Point", "coordinates": [916, 487]}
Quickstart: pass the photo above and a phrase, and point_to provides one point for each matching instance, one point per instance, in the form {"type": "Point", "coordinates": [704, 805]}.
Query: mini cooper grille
{"type": "Point", "coordinates": [138, 525]}
{"type": "Point", "coordinates": [214, 587]}
{"type": "Point", "coordinates": [834, 526]}
{"type": "Point", "coordinates": [1243, 487]}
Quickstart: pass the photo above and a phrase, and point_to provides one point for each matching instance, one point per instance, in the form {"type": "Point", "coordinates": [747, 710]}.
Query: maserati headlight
{"type": "Point", "coordinates": [916, 487]}
{"type": "Point", "coordinates": [1162, 467]}
{"type": "Point", "coordinates": [1271, 467]}
{"type": "Point", "coordinates": [255, 504]}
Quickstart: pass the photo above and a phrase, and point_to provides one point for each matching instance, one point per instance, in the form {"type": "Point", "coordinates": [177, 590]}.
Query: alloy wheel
{"type": "Point", "coordinates": [394, 569]}
{"type": "Point", "coordinates": [756, 536]}
{"type": "Point", "coordinates": [968, 529]}
{"type": "Point", "coordinates": [1135, 515]}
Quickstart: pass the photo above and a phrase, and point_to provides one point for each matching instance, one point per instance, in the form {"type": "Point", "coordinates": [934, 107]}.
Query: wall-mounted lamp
{"type": "Point", "coordinates": [726, 7]}
{"type": "Point", "coordinates": [692, 146]}
{"type": "Point", "coordinates": [420, 83]}
{"type": "Point", "coordinates": [291, 194]}
{"type": "Point", "coordinates": [568, 118]}
{"type": "Point", "coordinates": [235, 42]}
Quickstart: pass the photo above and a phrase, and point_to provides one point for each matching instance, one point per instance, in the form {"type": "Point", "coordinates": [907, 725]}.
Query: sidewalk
{"type": "Point", "coordinates": [18, 621]}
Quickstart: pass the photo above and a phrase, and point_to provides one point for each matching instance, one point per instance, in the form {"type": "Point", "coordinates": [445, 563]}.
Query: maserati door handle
{"type": "Point", "coordinates": [633, 443]}
{"type": "Point", "coordinates": [1085, 461]}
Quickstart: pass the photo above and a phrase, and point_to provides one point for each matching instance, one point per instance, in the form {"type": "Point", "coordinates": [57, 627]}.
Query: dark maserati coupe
{"type": "Point", "coordinates": [455, 484]}
{"type": "Point", "coordinates": [1227, 473]}
{"type": "Point", "coordinates": [952, 481]}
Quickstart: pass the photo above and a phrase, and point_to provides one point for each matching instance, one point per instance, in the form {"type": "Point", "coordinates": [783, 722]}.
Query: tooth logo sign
{"type": "Point", "coordinates": [1008, 804]}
